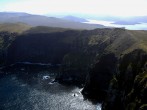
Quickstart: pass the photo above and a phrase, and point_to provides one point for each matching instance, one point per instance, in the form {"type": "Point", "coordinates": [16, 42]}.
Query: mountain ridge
{"type": "Point", "coordinates": [40, 20]}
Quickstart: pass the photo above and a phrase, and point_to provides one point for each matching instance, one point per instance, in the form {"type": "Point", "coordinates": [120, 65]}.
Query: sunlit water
{"type": "Point", "coordinates": [22, 92]}
{"type": "Point", "coordinates": [141, 26]}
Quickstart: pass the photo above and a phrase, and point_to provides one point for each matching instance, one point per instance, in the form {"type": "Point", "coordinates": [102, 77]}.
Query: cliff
{"type": "Point", "coordinates": [111, 63]}
{"type": "Point", "coordinates": [127, 89]}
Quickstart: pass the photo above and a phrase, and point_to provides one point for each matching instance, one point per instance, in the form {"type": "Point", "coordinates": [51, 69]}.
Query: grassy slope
{"type": "Point", "coordinates": [25, 28]}
{"type": "Point", "coordinates": [118, 41]}
{"type": "Point", "coordinates": [141, 39]}
{"type": "Point", "coordinates": [14, 27]}
{"type": "Point", "coordinates": [45, 29]}
{"type": "Point", "coordinates": [128, 41]}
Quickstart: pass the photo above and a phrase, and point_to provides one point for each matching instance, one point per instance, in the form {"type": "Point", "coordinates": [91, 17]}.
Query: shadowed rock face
{"type": "Point", "coordinates": [99, 77]}
{"type": "Point", "coordinates": [119, 84]}
{"type": "Point", "coordinates": [43, 48]}
{"type": "Point", "coordinates": [6, 39]}
{"type": "Point", "coordinates": [127, 90]}
{"type": "Point", "coordinates": [59, 46]}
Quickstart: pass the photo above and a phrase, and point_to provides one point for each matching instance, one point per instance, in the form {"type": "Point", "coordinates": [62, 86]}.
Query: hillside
{"type": "Point", "coordinates": [45, 29]}
{"type": "Point", "coordinates": [14, 27]}
{"type": "Point", "coordinates": [25, 28]}
{"type": "Point", "coordinates": [129, 41]}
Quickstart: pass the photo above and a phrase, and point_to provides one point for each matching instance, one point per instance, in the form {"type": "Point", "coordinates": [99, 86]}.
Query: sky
{"type": "Point", "coordinates": [122, 8]}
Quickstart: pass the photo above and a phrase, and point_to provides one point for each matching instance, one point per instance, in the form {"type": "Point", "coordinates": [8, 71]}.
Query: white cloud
{"type": "Point", "coordinates": [96, 7]}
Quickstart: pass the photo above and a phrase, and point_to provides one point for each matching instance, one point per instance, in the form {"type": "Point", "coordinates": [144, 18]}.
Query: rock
{"type": "Point", "coordinates": [128, 90]}
{"type": "Point", "coordinates": [45, 77]}
{"type": "Point", "coordinates": [98, 80]}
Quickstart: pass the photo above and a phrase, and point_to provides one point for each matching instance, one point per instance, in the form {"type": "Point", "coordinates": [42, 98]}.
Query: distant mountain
{"type": "Point", "coordinates": [75, 19]}
{"type": "Point", "coordinates": [7, 15]}
{"type": "Point", "coordinates": [38, 20]}
{"type": "Point", "coordinates": [126, 22]}
{"type": "Point", "coordinates": [132, 20]}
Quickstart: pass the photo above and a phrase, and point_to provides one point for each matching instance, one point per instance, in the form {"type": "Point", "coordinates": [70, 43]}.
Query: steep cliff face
{"type": "Point", "coordinates": [120, 83]}
{"type": "Point", "coordinates": [136, 99]}
{"type": "Point", "coordinates": [129, 48]}
{"type": "Point", "coordinates": [38, 48]}
{"type": "Point", "coordinates": [48, 47]}
{"type": "Point", "coordinates": [74, 50]}
{"type": "Point", "coordinates": [6, 39]}
{"type": "Point", "coordinates": [100, 76]}
{"type": "Point", "coordinates": [127, 89]}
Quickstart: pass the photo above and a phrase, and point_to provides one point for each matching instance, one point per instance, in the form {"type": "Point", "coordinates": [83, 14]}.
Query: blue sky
{"type": "Point", "coordinates": [94, 7]}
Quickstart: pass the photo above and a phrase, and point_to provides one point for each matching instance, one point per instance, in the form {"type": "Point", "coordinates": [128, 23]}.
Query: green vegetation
{"type": "Point", "coordinates": [143, 107]}
{"type": "Point", "coordinates": [14, 27]}
{"type": "Point", "coordinates": [138, 93]}
{"type": "Point", "coordinates": [45, 29]}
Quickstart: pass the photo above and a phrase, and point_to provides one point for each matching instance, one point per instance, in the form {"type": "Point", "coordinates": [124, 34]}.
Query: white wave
{"type": "Point", "coordinates": [99, 107]}
{"type": "Point", "coordinates": [45, 77]}
{"type": "Point", "coordinates": [80, 91]}
{"type": "Point", "coordinates": [75, 95]}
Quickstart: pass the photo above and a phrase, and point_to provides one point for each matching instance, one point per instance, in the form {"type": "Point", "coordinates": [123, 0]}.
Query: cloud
{"type": "Point", "coordinates": [96, 7]}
